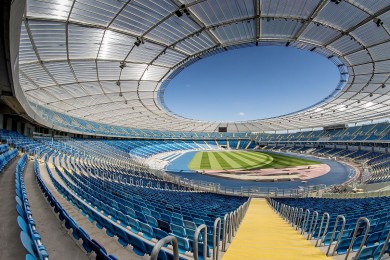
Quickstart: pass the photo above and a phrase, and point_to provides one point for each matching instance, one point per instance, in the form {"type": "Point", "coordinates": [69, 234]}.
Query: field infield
{"type": "Point", "coordinates": [244, 160]}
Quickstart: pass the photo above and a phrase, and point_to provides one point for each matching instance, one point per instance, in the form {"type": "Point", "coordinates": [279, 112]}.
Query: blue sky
{"type": "Point", "coordinates": [251, 83]}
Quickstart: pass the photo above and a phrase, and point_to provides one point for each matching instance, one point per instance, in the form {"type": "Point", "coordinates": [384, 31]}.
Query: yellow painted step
{"type": "Point", "coordinates": [265, 235]}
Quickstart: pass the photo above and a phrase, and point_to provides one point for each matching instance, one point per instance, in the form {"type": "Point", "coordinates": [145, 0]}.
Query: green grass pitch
{"type": "Point", "coordinates": [246, 160]}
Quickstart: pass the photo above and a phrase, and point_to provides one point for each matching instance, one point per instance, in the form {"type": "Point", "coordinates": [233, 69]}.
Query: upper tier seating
{"type": "Point", "coordinates": [372, 132]}
{"type": "Point", "coordinates": [93, 128]}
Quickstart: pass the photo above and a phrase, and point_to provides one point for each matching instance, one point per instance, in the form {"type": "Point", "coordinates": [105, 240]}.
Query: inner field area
{"type": "Point", "coordinates": [244, 160]}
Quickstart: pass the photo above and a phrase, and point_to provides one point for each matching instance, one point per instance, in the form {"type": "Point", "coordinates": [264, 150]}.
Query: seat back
{"type": "Point", "coordinates": [27, 243]}
{"type": "Point", "coordinates": [178, 230]}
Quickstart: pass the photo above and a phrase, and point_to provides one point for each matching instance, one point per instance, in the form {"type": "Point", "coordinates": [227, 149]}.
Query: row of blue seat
{"type": "Point", "coordinates": [77, 232]}
{"type": "Point", "coordinates": [29, 235]}
{"type": "Point", "coordinates": [6, 157]}
{"type": "Point", "coordinates": [379, 131]}
{"type": "Point", "coordinates": [138, 226]}
{"type": "Point", "coordinates": [3, 148]}
{"type": "Point", "coordinates": [125, 237]}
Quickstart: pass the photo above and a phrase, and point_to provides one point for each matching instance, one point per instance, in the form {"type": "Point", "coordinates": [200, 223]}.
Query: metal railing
{"type": "Point", "coordinates": [231, 222]}
{"type": "Point", "coordinates": [299, 218]}
{"type": "Point", "coordinates": [367, 227]}
{"type": "Point", "coordinates": [196, 237]}
{"type": "Point", "coordinates": [312, 229]}
{"type": "Point", "coordinates": [339, 235]}
{"type": "Point", "coordinates": [326, 214]}
{"type": "Point", "coordinates": [216, 237]}
{"type": "Point", "coordinates": [372, 194]}
{"type": "Point", "coordinates": [385, 245]}
{"type": "Point", "coordinates": [163, 241]}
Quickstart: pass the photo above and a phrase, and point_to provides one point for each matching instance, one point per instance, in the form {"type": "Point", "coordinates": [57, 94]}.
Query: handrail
{"type": "Point", "coordinates": [299, 218]}
{"type": "Point", "coordinates": [292, 217]}
{"type": "Point", "coordinates": [286, 212]}
{"type": "Point", "coordinates": [196, 237]}
{"type": "Point", "coordinates": [163, 241]}
{"type": "Point", "coordinates": [334, 232]}
{"type": "Point", "coordinates": [312, 229]}
{"type": "Point", "coordinates": [231, 231]}
{"type": "Point", "coordinates": [225, 232]}
{"type": "Point", "coordinates": [305, 221]}
{"type": "Point", "coordinates": [354, 236]}
{"type": "Point", "coordinates": [295, 217]}
{"type": "Point", "coordinates": [386, 244]}
{"type": "Point", "coordinates": [216, 238]}
{"type": "Point", "coordinates": [279, 209]}
{"type": "Point", "coordinates": [326, 214]}
{"type": "Point", "coordinates": [290, 212]}
{"type": "Point", "coordinates": [235, 213]}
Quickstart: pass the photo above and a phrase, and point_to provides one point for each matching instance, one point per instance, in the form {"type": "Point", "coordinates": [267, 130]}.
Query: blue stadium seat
{"type": "Point", "coordinates": [139, 246]}
{"type": "Point", "coordinates": [178, 230]}
{"type": "Point", "coordinates": [30, 257]}
{"type": "Point", "coordinates": [184, 244]}
{"type": "Point", "coordinates": [367, 252]}
{"type": "Point", "coordinates": [27, 243]}
{"type": "Point", "coordinates": [189, 224]}
{"type": "Point", "coordinates": [147, 231]}
{"type": "Point", "coordinates": [373, 238]}
{"type": "Point", "coordinates": [151, 221]}
{"type": "Point", "coordinates": [134, 224]}
{"type": "Point", "coordinates": [160, 233]}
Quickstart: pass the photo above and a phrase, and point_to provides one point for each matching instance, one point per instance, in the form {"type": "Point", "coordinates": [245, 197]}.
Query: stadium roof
{"type": "Point", "coordinates": [109, 61]}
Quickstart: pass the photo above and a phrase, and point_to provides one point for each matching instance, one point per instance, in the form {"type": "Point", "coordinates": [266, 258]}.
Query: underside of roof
{"type": "Point", "coordinates": [110, 61]}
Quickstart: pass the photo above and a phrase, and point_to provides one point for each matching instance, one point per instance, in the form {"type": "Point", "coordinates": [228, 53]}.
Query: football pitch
{"type": "Point", "coordinates": [246, 160]}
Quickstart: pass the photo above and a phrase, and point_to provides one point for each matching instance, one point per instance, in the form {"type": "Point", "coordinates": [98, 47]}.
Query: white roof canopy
{"type": "Point", "coordinates": [109, 61]}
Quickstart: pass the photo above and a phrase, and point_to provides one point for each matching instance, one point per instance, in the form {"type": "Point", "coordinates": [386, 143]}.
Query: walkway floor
{"type": "Point", "coordinates": [10, 246]}
{"type": "Point", "coordinates": [265, 235]}
{"type": "Point", "coordinates": [110, 243]}
{"type": "Point", "coordinates": [54, 235]}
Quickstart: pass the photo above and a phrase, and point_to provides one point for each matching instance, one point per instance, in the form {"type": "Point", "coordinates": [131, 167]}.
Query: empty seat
{"type": "Point", "coordinates": [134, 224]}
{"type": "Point", "coordinates": [343, 246]}
{"type": "Point", "coordinates": [328, 237]}
{"type": "Point", "coordinates": [367, 252]}
{"type": "Point", "coordinates": [122, 218]}
{"type": "Point", "coordinates": [198, 221]}
{"type": "Point", "coordinates": [166, 218]}
{"type": "Point", "coordinates": [141, 216]}
{"type": "Point", "coordinates": [177, 221]}
{"type": "Point", "coordinates": [139, 246]}
{"type": "Point", "coordinates": [122, 236]}
{"type": "Point", "coordinates": [147, 231]}
{"type": "Point", "coordinates": [177, 215]}
{"type": "Point", "coordinates": [184, 245]}
{"type": "Point", "coordinates": [178, 230]}
{"type": "Point", "coordinates": [189, 224]}
{"type": "Point", "coordinates": [27, 243]}
{"type": "Point", "coordinates": [373, 238]}
{"type": "Point", "coordinates": [160, 233]}
{"type": "Point", "coordinates": [86, 239]}
{"type": "Point", "coordinates": [151, 221]}
{"type": "Point", "coordinates": [384, 235]}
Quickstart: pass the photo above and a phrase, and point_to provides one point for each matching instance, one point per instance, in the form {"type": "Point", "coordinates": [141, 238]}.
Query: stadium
{"type": "Point", "coordinates": [96, 165]}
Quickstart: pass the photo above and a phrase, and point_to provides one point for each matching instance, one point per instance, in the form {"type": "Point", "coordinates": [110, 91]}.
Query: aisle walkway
{"type": "Point", "coordinates": [10, 246]}
{"type": "Point", "coordinates": [54, 235]}
{"type": "Point", "coordinates": [265, 235]}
